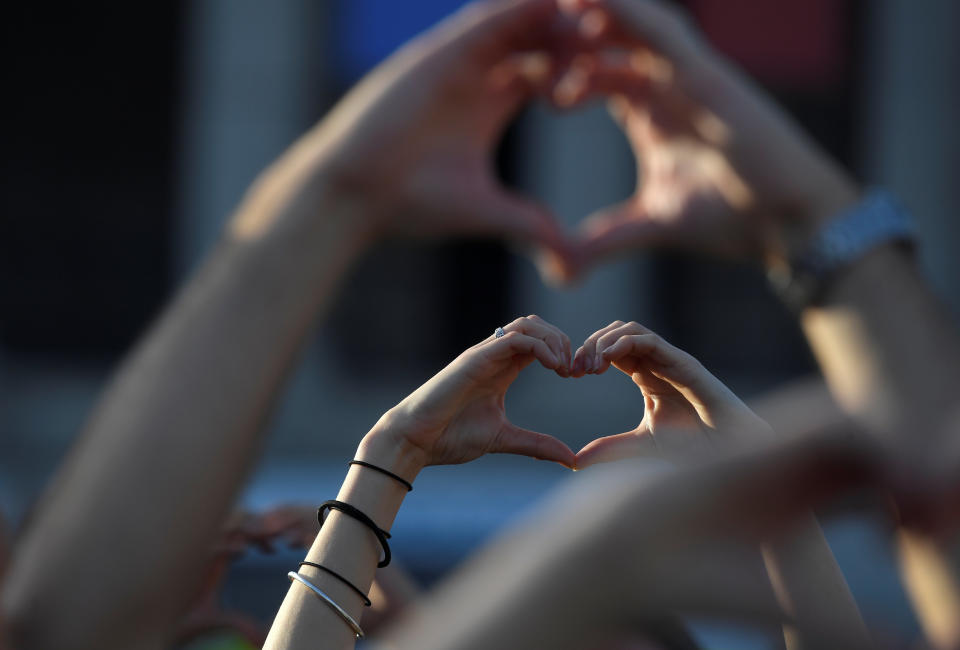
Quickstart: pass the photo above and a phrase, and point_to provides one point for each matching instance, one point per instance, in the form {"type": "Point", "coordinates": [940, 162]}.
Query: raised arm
{"type": "Point", "coordinates": [115, 549]}
{"type": "Point", "coordinates": [455, 417]}
{"type": "Point", "coordinates": [688, 412]}
{"type": "Point", "coordinates": [723, 170]}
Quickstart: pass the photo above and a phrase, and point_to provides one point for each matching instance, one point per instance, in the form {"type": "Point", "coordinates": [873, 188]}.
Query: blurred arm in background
{"type": "Point", "coordinates": [689, 413]}
{"type": "Point", "coordinates": [116, 548]}
{"type": "Point", "coordinates": [620, 549]}
{"type": "Point", "coordinates": [723, 170]}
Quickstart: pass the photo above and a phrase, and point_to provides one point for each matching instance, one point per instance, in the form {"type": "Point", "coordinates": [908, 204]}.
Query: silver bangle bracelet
{"type": "Point", "coordinates": [349, 620]}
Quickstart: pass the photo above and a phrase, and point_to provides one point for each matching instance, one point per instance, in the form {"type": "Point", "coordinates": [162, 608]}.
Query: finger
{"type": "Point", "coordinates": [512, 439]}
{"type": "Point", "coordinates": [584, 358]}
{"type": "Point", "coordinates": [635, 77]}
{"type": "Point", "coordinates": [513, 82]}
{"type": "Point", "coordinates": [615, 231]}
{"type": "Point", "coordinates": [610, 448]}
{"type": "Point", "coordinates": [521, 74]}
{"type": "Point", "coordinates": [557, 268]}
{"type": "Point", "coordinates": [631, 23]}
{"type": "Point", "coordinates": [497, 211]}
{"type": "Point", "coordinates": [538, 328]}
{"type": "Point", "coordinates": [687, 375]}
{"type": "Point", "coordinates": [596, 27]}
{"type": "Point", "coordinates": [495, 28]}
{"type": "Point", "coordinates": [611, 337]}
{"type": "Point", "coordinates": [553, 336]}
{"type": "Point", "coordinates": [516, 344]}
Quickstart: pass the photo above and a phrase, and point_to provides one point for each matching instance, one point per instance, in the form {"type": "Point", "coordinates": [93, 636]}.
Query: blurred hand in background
{"type": "Point", "coordinates": [721, 169]}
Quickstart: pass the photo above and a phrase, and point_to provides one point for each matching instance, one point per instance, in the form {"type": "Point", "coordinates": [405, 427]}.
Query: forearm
{"type": "Point", "coordinates": [891, 356]}
{"type": "Point", "coordinates": [888, 351]}
{"type": "Point", "coordinates": [179, 426]}
{"type": "Point", "coordinates": [347, 547]}
{"type": "Point", "coordinates": [600, 562]}
{"type": "Point", "coordinates": [546, 585]}
{"type": "Point", "coordinates": [811, 589]}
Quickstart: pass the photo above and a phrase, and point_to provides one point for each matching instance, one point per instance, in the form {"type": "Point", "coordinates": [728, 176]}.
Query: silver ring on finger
{"type": "Point", "coordinates": [497, 333]}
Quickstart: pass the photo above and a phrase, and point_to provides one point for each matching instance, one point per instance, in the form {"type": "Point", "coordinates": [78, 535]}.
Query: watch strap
{"type": "Point", "coordinates": [877, 219]}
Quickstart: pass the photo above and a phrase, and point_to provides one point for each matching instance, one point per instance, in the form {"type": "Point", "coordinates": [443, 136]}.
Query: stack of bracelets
{"type": "Point", "coordinates": [381, 535]}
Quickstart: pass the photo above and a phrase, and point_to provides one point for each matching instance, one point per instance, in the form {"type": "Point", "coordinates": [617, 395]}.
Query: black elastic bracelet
{"type": "Point", "coordinates": [366, 601]}
{"type": "Point", "coordinates": [399, 479]}
{"type": "Point", "coordinates": [347, 509]}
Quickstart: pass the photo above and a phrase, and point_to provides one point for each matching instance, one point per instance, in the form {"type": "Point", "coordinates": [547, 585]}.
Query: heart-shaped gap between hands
{"type": "Point", "coordinates": [717, 163]}
{"type": "Point", "coordinates": [459, 414]}
{"type": "Point", "coordinates": [418, 135]}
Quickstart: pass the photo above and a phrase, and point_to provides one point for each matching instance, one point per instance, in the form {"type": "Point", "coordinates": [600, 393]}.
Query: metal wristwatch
{"type": "Point", "coordinates": [877, 219]}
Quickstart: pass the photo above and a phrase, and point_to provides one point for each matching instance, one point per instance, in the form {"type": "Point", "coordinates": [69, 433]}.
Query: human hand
{"type": "Point", "coordinates": [458, 415]}
{"type": "Point", "coordinates": [685, 407]}
{"type": "Point", "coordinates": [721, 168]}
{"type": "Point", "coordinates": [413, 141]}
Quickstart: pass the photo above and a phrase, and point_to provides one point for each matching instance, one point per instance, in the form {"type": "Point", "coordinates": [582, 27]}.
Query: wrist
{"type": "Point", "coordinates": [840, 243]}
{"type": "Point", "coordinates": [801, 221]}
{"type": "Point", "coordinates": [386, 447]}
{"type": "Point", "coordinates": [825, 194]}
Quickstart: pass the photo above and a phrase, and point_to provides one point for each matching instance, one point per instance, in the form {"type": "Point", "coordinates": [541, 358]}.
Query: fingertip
{"type": "Point", "coordinates": [554, 361]}
{"type": "Point", "coordinates": [558, 452]}
{"type": "Point", "coordinates": [593, 23]}
{"type": "Point", "coordinates": [570, 7]}
{"type": "Point", "coordinates": [584, 459]}
{"type": "Point", "coordinates": [610, 352]}
{"type": "Point", "coordinates": [577, 366]}
{"type": "Point", "coordinates": [570, 90]}
{"type": "Point", "coordinates": [568, 461]}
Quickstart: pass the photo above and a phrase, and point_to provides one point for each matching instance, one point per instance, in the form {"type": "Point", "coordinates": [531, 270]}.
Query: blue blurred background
{"type": "Point", "coordinates": [135, 129]}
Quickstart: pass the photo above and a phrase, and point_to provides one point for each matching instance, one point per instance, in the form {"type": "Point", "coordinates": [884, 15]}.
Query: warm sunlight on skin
{"type": "Point", "coordinates": [844, 365]}
{"type": "Point", "coordinates": [927, 577]}
{"type": "Point", "coordinates": [687, 411]}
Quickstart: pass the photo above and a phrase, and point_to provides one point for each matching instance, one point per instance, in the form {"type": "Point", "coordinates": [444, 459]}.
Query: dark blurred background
{"type": "Point", "coordinates": [132, 131]}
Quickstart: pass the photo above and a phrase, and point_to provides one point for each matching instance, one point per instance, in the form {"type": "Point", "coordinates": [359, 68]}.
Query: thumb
{"type": "Point", "coordinates": [523, 220]}
{"type": "Point", "coordinates": [616, 231]}
{"type": "Point", "coordinates": [610, 448]}
{"type": "Point", "coordinates": [534, 227]}
{"type": "Point", "coordinates": [512, 439]}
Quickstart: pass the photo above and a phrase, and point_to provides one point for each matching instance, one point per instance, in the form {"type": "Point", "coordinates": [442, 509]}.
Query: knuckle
{"type": "Point", "coordinates": [691, 362]}
{"type": "Point", "coordinates": [641, 341]}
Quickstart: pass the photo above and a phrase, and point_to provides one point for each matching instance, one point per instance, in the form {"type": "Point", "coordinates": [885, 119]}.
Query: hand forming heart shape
{"type": "Point", "coordinates": [720, 168]}
{"type": "Point", "coordinates": [459, 414]}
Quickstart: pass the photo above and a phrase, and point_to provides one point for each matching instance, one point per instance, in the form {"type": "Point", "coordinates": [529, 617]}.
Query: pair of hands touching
{"type": "Point", "coordinates": [720, 168]}
{"type": "Point", "coordinates": [458, 415]}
